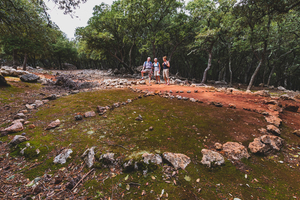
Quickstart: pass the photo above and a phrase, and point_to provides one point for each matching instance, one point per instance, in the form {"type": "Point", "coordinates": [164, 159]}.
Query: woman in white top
{"type": "Point", "coordinates": [156, 66]}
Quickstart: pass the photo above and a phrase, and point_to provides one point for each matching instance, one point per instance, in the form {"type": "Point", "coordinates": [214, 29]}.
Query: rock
{"type": "Point", "coordinates": [31, 126]}
{"type": "Point", "coordinates": [262, 93]}
{"type": "Point", "coordinates": [14, 128]}
{"type": "Point", "coordinates": [273, 129]}
{"type": "Point", "coordinates": [178, 160]}
{"type": "Point", "coordinates": [29, 107]}
{"type": "Point", "coordinates": [20, 116]}
{"type": "Point", "coordinates": [74, 91]}
{"type": "Point", "coordinates": [232, 106]}
{"type": "Point", "coordinates": [65, 81]}
{"type": "Point", "coordinates": [38, 103]}
{"type": "Point", "coordinates": [108, 159]}
{"type": "Point", "coordinates": [53, 124]}
{"type": "Point", "coordinates": [17, 140]}
{"type": "Point", "coordinates": [286, 97]}
{"type": "Point", "coordinates": [195, 91]}
{"type": "Point", "coordinates": [217, 104]}
{"type": "Point", "coordinates": [63, 156]}
{"type": "Point", "coordinates": [266, 144]}
{"type": "Point", "coordinates": [281, 88]}
{"type": "Point", "coordinates": [263, 131]}
{"type": "Point", "coordinates": [235, 150]}
{"type": "Point", "coordinates": [211, 158]}
{"type": "Point", "coordinates": [291, 107]}
{"type": "Point", "coordinates": [139, 118]}
{"type": "Point", "coordinates": [116, 105]}
{"type": "Point", "coordinates": [142, 82]}
{"type": "Point", "coordinates": [89, 157]}
{"type": "Point", "coordinates": [273, 120]}
{"type": "Point", "coordinates": [102, 109]}
{"type": "Point", "coordinates": [185, 98]}
{"type": "Point", "coordinates": [188, 91]}
{"type": "Point", "coordinates": [193, 100]}
{"type": "Point", "coordinates": [273, 102]}
{"type": "Point", "coordinates": [31, 78]}
{"type": "Point", "coordinates": [154, 158]}
{"type": "Point", "coordinates": [297, 132]}
{"type": "Point", "coordinates": [78, 117]}
{"type": "Point", "coordinates": [18, 120]}
{"type": "Point", "coordinates": [151, 128]}
{"type": "Point", "coordinates": [220, 82]}
{"type": "Point", "coordinates": [90, 114]}
{"type": "Point", "coordinates": [51, 97]}
{"type": "Point", "coordinates": [3, 82]}
{"type": "Point", "coordinates": [218, 146]}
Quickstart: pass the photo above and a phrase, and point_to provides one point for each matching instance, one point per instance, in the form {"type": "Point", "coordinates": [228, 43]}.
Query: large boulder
{"type": "Point", "coordinates": [31, 78]}
{"type": "Point", "coordinates": [235, 150]}
{"type": "Point", "coordinates": [17, 140]}
{"type": "Point", "coordinates": [63, 156]}
{"type": "Point", "coordinates": [178, 160]}
{"type": "Point", "coordinates": [266, 144]}
{"type": "Point", "coordinates": [211, 158]}
{"type": "Point", "coordinates": [3, 82]}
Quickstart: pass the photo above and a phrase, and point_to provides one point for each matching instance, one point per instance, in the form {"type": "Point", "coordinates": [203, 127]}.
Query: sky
{"type": "Point", "coordinates": [66, 23]}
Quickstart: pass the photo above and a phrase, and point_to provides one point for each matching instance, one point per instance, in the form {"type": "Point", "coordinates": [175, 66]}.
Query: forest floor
{"type": "Point", "coordinates": [178, 126]}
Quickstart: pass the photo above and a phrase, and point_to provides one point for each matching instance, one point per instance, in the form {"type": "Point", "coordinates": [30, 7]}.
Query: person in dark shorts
{"type": "Point", "coordinates": [166, 67]}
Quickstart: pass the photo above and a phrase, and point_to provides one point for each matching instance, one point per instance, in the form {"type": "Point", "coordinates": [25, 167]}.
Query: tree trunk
{"type": "Point", "coordinates": [254, 74]}
{"type": "Point", "coordinates": [15, 58]}
{"type": "Point", "coordinates": [208, 66]}
{"type": "Point", "coordinates": [25, 62]}
{"type": "Point", "coordinates": [229, 65]}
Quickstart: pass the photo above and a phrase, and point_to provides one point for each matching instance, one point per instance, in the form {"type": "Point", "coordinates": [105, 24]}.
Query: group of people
{"type": "Point", "coordinates": [148, 68]}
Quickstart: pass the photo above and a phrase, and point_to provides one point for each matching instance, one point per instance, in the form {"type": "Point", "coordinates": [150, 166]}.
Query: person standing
{"type": "Point", "coordinates": [166, 68]}
{"type": "Point", "coordinates": [156, 70]}
{"type": "Point", "coordinates": [147, 69]}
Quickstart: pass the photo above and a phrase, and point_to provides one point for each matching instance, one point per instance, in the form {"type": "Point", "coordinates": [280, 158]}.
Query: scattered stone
{"type": "Point", "coordinates": [263, 131]}
{"type": "Point", "coordinates": [211, 158]}
{"type": "Point", "coordinates": [63, 156]}
{"type": "Point", "coordinates": [31, 126]}
{"type": "Point", "coordinates": [116, 105]}
{"type": "Point", "coordinates": [188, 91]}
{"type": "Point", "coordinates": [139, 118]}
{"type": "Point", "coordinates": [78, 117]}
{"type": "Point", "coordinates": [178, 160]}
{"type": "Point", "coordinates": [273, 120]}
{"type": "Point", "coordinates": [262, 93]}
{"type": "Point", "coordinates": [74, 91]}
{"type": "Point", "coordinates": [89, 157]}
{"type": "Point", "coordinates": [151, 128]}
{"type": "Point", "coordinates": [185, 98]}
{"type": "Point", "coordinates": [273, 102]}
{"type": "Point", "coordinates": [281, 88]}
{"type": "Point", "coordinates": [218, 146]}
{"type": "Point", "coordinates": [108, 159]}
{"type": "Point", "coordinates": [286, 97]}
{"type": "Point", "coordinates": [142, 82]}
{"type": "Point", "coordinates": [31, 78]}
{"type": "Point", "coordinates": [102, 109]}
{"type": "Point", "coordinates": [20, 116]}
{"type": "Point", "coordinates": [217, 104]}
{"type": "Point", "coordinates": [297, 132]}
{"type": "Point", "coordinates": [291, 107]}
{"type": "Point", "coordinates": [181, 91]}
{"type": "Point", "coordinates": [193, 100]}
{"type": "Point", "coordinates": [273, 129]}
{"type": "Point", "coordinates": [233, 106]}
{"type": "Point", "coordinates": [53, 124]}
{"type": "Point", "coordinates": [17, 140]}
{"type": "Point", "coordinates": [23, 134]}
{"type": "Point", "coordinates": [195, 91]}
{"type": "Point", "coordinates": [154, 158]}
{"type": "Point", "coordinates": [14, 128]}
{"type": "Point", "coordinates": [235, 150]}
{"type": "Point", "coordinates": [266, 144]}
{"type": "Point", "coordinates": [90, 114]}
{"type": "Point", "coordinates": [51, 97]}
{"type": "Point", "coordinates": [38, 103]}
{"type": "Point", "coordinates": [17, 121]}
{"type": "Point", "coordinates": [45, 101]}
{"type": "Point", "coordinates": [29, 107]}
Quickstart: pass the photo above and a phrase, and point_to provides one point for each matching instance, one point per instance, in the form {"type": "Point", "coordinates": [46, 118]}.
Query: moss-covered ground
{"type": "Point", "coordinates": [178, 126]}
